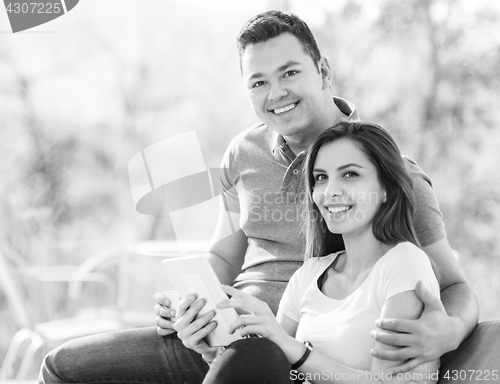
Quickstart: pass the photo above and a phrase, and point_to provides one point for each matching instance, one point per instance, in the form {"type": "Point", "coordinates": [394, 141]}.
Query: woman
{"type": "Point", "coordinates": [359, 198]}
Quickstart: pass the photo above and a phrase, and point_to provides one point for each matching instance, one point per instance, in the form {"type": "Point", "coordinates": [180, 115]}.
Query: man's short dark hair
{"type": "Point", "coordinates": [270, 24]}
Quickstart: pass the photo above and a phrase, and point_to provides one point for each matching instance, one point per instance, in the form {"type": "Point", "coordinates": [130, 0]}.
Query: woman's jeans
{"type": "Point", "coordinates": [142, 356]}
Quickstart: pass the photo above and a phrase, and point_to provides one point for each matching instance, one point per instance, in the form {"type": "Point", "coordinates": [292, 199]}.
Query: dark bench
{"type": "Point", "coordinates": [477, 360]}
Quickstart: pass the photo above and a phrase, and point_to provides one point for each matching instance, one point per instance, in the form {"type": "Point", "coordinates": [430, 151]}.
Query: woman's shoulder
{"type": "Point", "coordinates": [405, 254]}
{"type": "Point", "coordinates": [406, 250]}
{"type": "Point", "coordinates": [318, 263]}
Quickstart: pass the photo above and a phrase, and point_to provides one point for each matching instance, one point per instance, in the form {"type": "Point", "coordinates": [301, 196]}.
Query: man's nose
{"type": "Point", "coordinates": [277, 91]}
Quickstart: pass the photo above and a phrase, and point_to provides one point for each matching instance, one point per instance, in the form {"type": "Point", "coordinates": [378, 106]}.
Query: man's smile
{"type": "Point", "coordinates": [286, 108]}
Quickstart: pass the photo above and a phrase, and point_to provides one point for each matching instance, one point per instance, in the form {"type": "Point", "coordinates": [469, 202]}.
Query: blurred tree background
{"type": "Point", "coordinates": [81, 95]}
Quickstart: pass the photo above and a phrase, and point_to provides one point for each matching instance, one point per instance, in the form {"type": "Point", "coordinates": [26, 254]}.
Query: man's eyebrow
{"type": "Point", "coordinates": [288, 64]}
{"type": "Point", "coordinates": [280, 69]}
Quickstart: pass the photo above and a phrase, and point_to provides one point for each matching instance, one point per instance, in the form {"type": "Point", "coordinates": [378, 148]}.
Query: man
{"type": "Point", "coordinates": [287, 82]}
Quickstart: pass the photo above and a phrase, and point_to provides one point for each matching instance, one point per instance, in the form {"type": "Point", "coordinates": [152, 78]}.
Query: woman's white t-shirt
{"type": "Point", "coordinates": [340, 329]}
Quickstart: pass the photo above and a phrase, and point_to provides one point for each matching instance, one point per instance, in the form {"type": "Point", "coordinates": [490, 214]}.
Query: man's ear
{"type": "Point", "coordinates": [325, 71]}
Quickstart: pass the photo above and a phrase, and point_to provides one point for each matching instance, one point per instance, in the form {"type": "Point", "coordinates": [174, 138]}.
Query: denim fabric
{"type": "Point", "coordinates": [250, 361]}
{"type": "Point", "coordinates": [129, 356]}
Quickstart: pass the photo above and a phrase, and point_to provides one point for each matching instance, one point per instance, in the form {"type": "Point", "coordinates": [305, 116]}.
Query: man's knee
{"type": "Point", "coordinates": [50, 371]}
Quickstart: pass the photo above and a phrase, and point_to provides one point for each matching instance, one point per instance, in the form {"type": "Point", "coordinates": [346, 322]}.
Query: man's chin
{"type": "Point", "coordinates": [285, 128]}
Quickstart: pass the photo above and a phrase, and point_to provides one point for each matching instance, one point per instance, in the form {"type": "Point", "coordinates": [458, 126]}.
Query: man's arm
{"type": "Point", "coordinates": [457, 296]}
{"type": "Point", "coordinates": [442, 325]}
{"type": "Point", "coordinates": [226, 256]}
{"type": "Point", "coordinates": [227, 253]}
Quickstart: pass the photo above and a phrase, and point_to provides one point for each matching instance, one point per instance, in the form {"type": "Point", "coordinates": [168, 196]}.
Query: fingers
{"type": "Point", "coordinates": [164, 326]}
{"type": "Point", "coordinates": [401, 354]}
{"type": "Point", "coordinates": [160, 310]}
{"type": "Point", "coordinates": [192, 335]}
{"type": "Point", "coordinates": [234, 292]}
{"type": "Point", "coordinates": [427, 297]}
{"type": "Point", "coordinates": [162, 299]}
{"type": "Point", "coordinates": [187, 312]}
{"type": "Point", "coordinates": [393, 339]}
{"type": "Point", "coordinates": [187, 325]}
{"type": "Point", "coordinates": [243, 322]}
{"type": "Point", "coordinates": [243, 302]}
{"type": "Point", "coordinates": [250, 330]}
{"type": "Point", "coordinates": [397, 325]}
{"type": "Point", "coordinates": [164, 323]}
{"type": "Point", "coordinates": [164, 316]}
{"type": "Point", "coordinates": [185, 305]}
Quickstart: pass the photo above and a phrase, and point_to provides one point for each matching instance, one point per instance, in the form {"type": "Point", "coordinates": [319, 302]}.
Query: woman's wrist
{"type": "Point", "coordinates": [293, 350]}
{"type": "Point", "coordinates": [305, 356]}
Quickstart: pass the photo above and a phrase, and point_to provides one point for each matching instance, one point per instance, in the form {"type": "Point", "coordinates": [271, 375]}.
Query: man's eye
{"type": "Point", "coordinates": [293, 72]}
{"type": "Point", "coordinates": [350, 175]}
{"type": "Point", "coordinates": [257, 84]}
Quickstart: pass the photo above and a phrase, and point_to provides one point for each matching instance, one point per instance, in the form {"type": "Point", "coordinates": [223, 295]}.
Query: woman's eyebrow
{"type": "Point", "coordinates": [348, 165]}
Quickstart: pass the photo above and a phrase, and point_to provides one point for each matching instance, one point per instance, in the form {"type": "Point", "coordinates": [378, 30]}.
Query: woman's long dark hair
{"type": "Point", "coordinates": [393, 222]}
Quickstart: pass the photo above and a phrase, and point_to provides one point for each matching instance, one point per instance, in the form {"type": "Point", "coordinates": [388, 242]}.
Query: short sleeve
{"type": "Point", "coordinates": [229, 177]}
{"type": "Point", "coordinates": [402, 268]}
{"type": "Point", "coordinates": [290, 301]}
{"type": "Point", "coordinates": [428, 220]}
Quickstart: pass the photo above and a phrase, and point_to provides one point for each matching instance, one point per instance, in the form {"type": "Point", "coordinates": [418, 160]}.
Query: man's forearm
{"type": "Point", "coordinates": [461, 304]}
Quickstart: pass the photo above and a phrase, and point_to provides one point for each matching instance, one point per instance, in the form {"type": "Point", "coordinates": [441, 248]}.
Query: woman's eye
{"type": "Point", "coordinates": [320, 177]}
{"type": "Point", "coordinates": [350, 175]}
{"type": "Point", "coordinates": [290, 73]}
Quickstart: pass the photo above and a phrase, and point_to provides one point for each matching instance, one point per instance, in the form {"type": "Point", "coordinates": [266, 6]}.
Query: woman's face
{"type": "Point", "coordinates": [347, 191]}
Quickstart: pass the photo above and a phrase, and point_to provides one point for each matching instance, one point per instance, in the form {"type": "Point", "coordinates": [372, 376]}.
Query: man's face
{"type": "Point", "coordinates": [284, 86]}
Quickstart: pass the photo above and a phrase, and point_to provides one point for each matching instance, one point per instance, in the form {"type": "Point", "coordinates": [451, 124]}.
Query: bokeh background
{"type": "Point", "coordinates": [81, 95]}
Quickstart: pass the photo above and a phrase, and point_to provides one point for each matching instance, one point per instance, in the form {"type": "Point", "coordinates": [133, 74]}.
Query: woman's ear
{"type": "Point", "coordinates": [384, 197]}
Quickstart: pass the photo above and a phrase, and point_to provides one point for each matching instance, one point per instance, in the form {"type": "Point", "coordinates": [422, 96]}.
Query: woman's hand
{"type": "Point", "coordinates": [192, 331]}
{"type": "Point", "coordinates": [258, 319]}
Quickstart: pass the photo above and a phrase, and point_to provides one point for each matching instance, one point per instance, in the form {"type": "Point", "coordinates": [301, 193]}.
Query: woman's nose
{"type": "Point", "coordinates": [333, 189]}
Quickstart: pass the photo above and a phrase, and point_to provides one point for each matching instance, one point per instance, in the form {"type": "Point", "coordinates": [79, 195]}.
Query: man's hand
{"type": "Point", "coordinates": [420, 341]}
{"type": "Point", "coordinates": [165, 316]}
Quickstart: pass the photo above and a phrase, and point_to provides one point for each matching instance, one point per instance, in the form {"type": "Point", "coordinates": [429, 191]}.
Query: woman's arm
{"type": "Point", "coordinates": [405, 305]}
{"type": "Point", "coordinates": [317, 367]}
{"type": "Point", "coordinates": [442, 326]}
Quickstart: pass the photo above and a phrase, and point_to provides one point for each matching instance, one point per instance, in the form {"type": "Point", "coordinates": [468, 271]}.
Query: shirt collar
{"type": "Point", "coordinates": [277, 142]}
